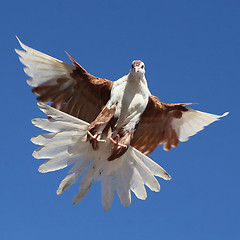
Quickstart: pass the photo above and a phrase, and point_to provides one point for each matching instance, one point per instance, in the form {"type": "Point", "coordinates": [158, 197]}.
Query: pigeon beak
{"type": "Point", "coordinates": [136, 69]}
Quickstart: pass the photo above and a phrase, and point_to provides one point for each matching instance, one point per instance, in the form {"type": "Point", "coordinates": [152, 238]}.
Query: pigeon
{"type": "Point", "coordinates": [104, 129]}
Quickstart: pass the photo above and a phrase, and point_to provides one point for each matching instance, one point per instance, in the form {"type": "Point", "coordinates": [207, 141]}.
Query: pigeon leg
{"type": "Point", "coordinates": [96, 137]}
{"type": "Point", "coordinates": [117, 144]}
{"type": "Point", "coordinates": [94, 140]}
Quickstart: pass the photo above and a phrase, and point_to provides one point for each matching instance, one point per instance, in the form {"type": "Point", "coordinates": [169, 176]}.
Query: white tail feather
{"type": "Point", "coordinates": [137, 185]}
{"type": "Point", "coordinates": [86, 183]}
{"type": "Point", "coordinates": [122, 187]}
{"type": "Point", "coordinates": [44, 139]}
{"type": "Point", "coordinates": [147, 176]}
{"type": "Point", "coordinates": [108, 191]}
{"type": "Point", "coordinates": [60, 161]}
{"type": "Point", "coordinates": [65, 145]}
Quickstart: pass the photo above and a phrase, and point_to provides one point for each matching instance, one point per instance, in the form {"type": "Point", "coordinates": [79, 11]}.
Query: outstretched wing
{"type": "Point", "coordinates": [69, 88]}
{"type": "Point", "coordinates": [168, 124]}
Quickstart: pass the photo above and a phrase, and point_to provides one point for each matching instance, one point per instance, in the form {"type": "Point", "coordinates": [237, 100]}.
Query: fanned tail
{"type": "Point", "coordinates": [65, 145]}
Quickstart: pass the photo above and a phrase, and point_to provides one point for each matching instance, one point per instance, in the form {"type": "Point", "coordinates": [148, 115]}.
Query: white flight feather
{"type": "Point", "coordinates": [41, 67]}
{"type": "Point", "coordinates": [193, 121]}
{"type": "Point", "coordinates": [65, 146]}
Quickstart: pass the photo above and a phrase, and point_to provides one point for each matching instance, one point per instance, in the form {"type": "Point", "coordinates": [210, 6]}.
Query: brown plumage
{"type": "Point", "coordinates": [85, 96]}
{"type": "Point", "coordinates": [155, 127]}
{"type": "Point", "coordinates": [120, 118]}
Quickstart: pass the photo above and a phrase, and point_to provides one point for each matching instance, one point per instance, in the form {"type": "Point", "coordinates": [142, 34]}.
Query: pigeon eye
{"type": "Point", "coordinates": [132, 66]}
{"type": "Point", "coordinates": [142, 66]}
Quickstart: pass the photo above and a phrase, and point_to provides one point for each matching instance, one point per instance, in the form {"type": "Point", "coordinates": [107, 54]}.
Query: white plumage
{"type": "Point", "coordinates": [124, 110]}
{"type": "Point", "coordinates": [131, 97]}
{"type": "Point", "coordinates": [42, 67]}
{"type": "Point", "coordinates": [192, 122]}
{"type": "Point", "coordinates": [65, 146]}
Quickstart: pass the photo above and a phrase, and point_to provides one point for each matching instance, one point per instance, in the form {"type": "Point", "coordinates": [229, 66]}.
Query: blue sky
{"type": "Point", "coordinates": [191, 50]}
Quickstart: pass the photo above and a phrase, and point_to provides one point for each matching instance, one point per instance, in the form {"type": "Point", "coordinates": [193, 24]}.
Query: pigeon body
{"type": "Point", "coordinates": [104, 129]}
{"type": "Point", "coordinates": [131, 95]}
{"type": "Point", "coordinates": [128, 100]}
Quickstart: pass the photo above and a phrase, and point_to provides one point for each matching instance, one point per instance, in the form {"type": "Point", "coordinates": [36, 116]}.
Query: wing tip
{"type": "Point", "coordinates": [43, 107]}
{"type": "Point", "coordinates": [41, 104]}
{"type": "Point", "coordinates": [168, 177]}
{"type": "Point", "coordinates": [42, 170]}
{"type": "Point", "coordinates": [186, 104]}
{"type": "Point", "coordinates": [17, 38]}
{"type": "Point", "coordinates": [75, 63]}
{"type": "Point", "coordinates": [33, 140]}
{"type": "Point", "coordinates": [59, 191]}
{"type": "Point", "coordinates": [225, 114]}
{"type": "Point", "coordinates": [21, 44]}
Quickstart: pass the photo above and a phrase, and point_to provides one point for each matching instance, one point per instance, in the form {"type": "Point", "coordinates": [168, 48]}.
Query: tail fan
{"type": "Point", "coordinates": [65, 145]}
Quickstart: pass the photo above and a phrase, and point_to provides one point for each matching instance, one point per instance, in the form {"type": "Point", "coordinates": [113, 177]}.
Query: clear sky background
{"type": "Point", "coordinates": [191, 50]}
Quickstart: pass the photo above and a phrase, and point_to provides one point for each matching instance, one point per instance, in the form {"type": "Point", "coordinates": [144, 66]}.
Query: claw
{"type": "Point", "coordinates": [117, 144]}
{"type": "Point", "coordinates": [96, 138]}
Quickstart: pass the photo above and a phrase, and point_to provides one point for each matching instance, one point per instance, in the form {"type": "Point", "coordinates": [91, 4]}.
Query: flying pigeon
{"type": "Point", "coordinates": [104, 129]}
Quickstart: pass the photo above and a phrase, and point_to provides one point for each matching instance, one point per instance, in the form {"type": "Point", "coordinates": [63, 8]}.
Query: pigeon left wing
{"type": "Point", "coordinates": [168, 124]}
{"type": "Point", "coordinates": [69, 88]}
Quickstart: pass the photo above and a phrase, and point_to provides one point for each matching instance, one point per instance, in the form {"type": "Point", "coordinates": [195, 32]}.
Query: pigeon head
{"type": "Point", "coordinates": [138, 68]}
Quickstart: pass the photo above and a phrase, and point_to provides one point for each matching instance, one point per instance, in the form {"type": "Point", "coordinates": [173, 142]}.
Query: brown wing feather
{"type": "Point", "coordinates": [155, 127]}
{"type": "Point", "coordinates": [81, 95]}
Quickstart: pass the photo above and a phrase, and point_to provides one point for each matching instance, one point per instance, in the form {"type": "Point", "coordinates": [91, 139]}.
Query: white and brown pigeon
{"type": "Point", "coordinates": [104, 129]}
